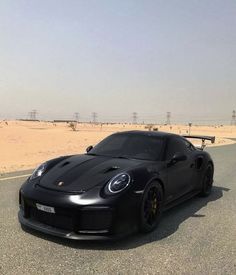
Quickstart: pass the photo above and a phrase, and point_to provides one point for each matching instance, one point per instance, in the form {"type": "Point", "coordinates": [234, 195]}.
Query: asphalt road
{"type": "Point", "coordinates": [197, 237]}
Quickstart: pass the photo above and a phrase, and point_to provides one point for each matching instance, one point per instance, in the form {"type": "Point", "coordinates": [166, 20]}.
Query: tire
{"type": "Point", "coordinates": [207, 181]}
{"type": "Point", "coordinates": [151, 207]}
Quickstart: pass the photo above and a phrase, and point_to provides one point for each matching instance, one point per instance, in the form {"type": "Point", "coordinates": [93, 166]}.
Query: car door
{"type": "Point", "coordinates": [179, 174]}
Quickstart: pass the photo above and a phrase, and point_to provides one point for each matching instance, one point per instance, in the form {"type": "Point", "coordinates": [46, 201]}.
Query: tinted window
{"type": "Point", "coordinates": [189, 146]}
{"type": "Point", "coordinates": [177, 145]}
{"type": "Point", "coordinates": [131, 146]}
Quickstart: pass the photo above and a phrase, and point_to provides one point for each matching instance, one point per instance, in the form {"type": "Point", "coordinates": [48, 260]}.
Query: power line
{"type": "Point", "coordinates": [157, 118]}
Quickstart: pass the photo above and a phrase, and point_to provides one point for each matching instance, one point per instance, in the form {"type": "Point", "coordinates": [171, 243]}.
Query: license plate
{"type": "Point", "coordinates": [45, 208]}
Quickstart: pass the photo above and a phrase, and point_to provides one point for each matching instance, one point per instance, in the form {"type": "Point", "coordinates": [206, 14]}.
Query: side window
{"type": "Point", "coordinates": [176, 145]}
{"type": "Point", "coordinates": [189, 145]}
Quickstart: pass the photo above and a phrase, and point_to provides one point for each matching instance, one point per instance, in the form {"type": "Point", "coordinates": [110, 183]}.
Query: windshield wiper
{"type": "Point", "coordinates": [121, 157]}
{"type": "Point", "coordinates": [132, 158]}
{"type": "Point", "coordinates": [117, 157]}
{"type": "Point", "coordinates": [97, 155]}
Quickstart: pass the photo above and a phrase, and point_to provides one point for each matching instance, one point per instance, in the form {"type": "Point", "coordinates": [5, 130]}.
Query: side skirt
{"type": "Point", "coordinates": [181, 199]}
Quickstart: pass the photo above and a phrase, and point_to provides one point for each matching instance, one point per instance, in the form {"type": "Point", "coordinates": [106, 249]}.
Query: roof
{"type": "Point", "coordinates": [149, 133]}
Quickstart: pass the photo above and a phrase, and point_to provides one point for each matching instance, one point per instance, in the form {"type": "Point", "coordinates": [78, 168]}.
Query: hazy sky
{"type": "Point", "coordinates": [116, 57]}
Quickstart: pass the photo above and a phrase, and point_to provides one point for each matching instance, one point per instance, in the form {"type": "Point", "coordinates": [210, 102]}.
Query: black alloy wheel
{"type": "Point", "coordinates": [151, 207]}
{"type": "Point", "coordinates": [207, 181]}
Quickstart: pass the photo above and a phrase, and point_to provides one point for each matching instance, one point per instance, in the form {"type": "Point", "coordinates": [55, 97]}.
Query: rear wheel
{"type": "Point", "coordinates": [151, 207]}
{"type": "Point", "coordinates": [207, 181]}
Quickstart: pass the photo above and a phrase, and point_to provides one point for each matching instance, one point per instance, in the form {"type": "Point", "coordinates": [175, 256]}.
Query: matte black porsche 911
{"type": "Point", "coordinates": [121, 185]}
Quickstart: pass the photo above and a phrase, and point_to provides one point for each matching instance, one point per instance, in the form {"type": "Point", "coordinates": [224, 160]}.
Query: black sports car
{"type": "Point", "coordinates": [121, 185]}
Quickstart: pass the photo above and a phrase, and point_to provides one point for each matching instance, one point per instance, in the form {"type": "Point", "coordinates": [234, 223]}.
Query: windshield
{"type": "Point", "coordinates": [130, 146]}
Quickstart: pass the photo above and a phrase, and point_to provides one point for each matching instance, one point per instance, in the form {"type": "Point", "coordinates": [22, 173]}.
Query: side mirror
{"type": "Point", "coordinates": [178, 157]}
{"type": "Point", "coordinates": [89, 148]}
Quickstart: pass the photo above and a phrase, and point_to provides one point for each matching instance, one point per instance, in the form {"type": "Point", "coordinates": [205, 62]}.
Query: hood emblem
{"type": "Point", "coordinates": [61, 183]}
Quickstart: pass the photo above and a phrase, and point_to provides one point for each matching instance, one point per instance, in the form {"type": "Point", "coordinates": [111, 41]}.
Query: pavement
{"type": "Point", "coordinates": [196, 237]}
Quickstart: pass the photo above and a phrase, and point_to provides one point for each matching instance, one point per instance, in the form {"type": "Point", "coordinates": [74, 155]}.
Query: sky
{"type": "Point", "coordinates": [118, 57]}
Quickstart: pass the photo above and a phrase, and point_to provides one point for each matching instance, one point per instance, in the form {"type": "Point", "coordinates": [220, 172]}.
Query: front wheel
{"type": "Point", "coordinates": [151, 207]}
{"type": "Point", "coordinates": [207, 181]}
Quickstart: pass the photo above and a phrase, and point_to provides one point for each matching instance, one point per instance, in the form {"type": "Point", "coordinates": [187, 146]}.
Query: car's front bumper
{"type": "Point", "coordinates": [77, 217]}
{"type": "Point", "coordinates": [58, 232]}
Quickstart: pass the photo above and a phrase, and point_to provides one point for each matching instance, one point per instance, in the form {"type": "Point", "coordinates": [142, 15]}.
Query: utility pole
{"type": "Point", "coordinates": [135, 117]}
{"type": "Point", "coordinates": [33, 114]}
{"type": "Point", "coordinates": [94, 117]}
{"type": "Point", "coordinates": [76, 115]}
{"type": "Point", "coordinates": [168, 116]}
{"type": "Point", "coordinates": [189, 128]}
{"type": "Point", "coordinates": [233, 120]}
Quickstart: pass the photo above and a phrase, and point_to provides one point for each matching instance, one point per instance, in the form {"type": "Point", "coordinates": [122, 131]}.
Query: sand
{"type": "Point", "coordinates": [24, 145]}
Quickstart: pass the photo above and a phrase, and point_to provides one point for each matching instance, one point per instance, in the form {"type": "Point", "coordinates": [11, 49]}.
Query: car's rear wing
{"type": "Point", "coordinates": [203, 138]}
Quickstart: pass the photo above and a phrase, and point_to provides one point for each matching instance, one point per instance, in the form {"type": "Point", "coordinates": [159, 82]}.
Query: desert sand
{"type": "Point", "coordinates": [25, 144]}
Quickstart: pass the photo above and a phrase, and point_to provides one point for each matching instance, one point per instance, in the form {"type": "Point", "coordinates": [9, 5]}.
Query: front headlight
{"type": "Point", "coordinates": [38, 172]}
{"type": "Point", "coordinates": [118, 183]}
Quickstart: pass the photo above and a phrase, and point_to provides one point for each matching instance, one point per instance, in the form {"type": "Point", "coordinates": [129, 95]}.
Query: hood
{"type": "Point", "coordinates": [82, 172]}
